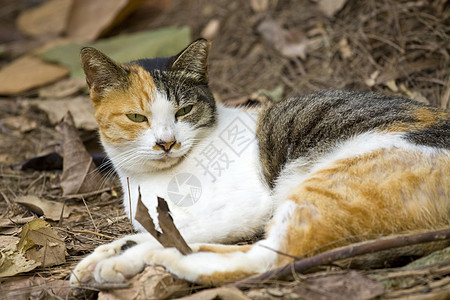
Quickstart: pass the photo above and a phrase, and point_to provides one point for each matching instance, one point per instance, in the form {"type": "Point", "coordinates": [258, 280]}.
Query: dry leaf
{"type": "Point", "coordinates": [21, 123]}
{"type": "Point", "coordinates": [35, 288]}
{"type": "Point", "coordinates": [80, 174]}
{"type": "Point", "coordinates": [13, 262]}
{"type": "Point", "coordinates": [49, 18]}
{"type": "Point", "coordinates": [170, 236]}
{"type": "Point", "coordinates": [331, 7]}
{"type": "Point", "coordinates": [91, 18]}
{"type": "Point", "coordinates": [63, 88]}
{"type": "Point", "coordinates": [223, 293]}
{"type": "Point", "coordinates": [290, 43]}
{"type": "Point", "coordinates": [350, 285]}
{"type": "Point", "coordinates": [153, 283]}
{"type": "Point", "coordinates": [42, 244]}
{"type": "Point", "coordinates": [49, 209]}
{"type": "Point", "coordinates": [27, 73]}
{"type": "Point", "coordinates": [80, 107]}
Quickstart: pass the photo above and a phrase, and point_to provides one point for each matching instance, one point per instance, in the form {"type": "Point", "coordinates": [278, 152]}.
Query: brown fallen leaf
{"type": "Point", "coordinates": [80, 174]}
{"type": "Point", "coordinates": [13, 262]}
{"type": "Point", "coordinates": [350, 285]}
{"type": "Point", "coordinates": [63, 88]}
{"type": "Point", "coordinates": [11, 225]}
{"type": "Point", "coordinates": [90, 19]}
{"type": "Point", "coordinates": [49, 18]}
{"type": "Point", "coordinates": [21, 123]}
{"type": "Point", "coordinates": [27, 73]}
{"type": "Point", "coordinates": [80, 108]}
{"type": "Point", "coordinates": [170, 236]}
{"type": "Point", "coordinates": [34, 288]}
{"type": "Point", "coordinates": [41, 243]}
{"type": "Point", "coordinates": [289, 42]}
{"type": "Point", "coordinates": [153, 283]}
{"type": "Point", "coordinates": [49, 209]}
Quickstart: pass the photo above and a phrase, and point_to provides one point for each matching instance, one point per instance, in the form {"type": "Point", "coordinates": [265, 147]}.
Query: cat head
{"type": "Point", "coordinates": [151, 112]}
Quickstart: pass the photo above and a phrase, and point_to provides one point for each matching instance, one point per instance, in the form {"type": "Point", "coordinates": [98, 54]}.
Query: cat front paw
{"type": "Point", "coordinates": [118, 269]}
{"type": "Point", "coordinates": [84, 271]}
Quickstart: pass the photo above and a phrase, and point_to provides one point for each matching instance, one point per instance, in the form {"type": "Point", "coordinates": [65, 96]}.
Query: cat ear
{"type": "Point", "coordinates": [102, 73]}
{"type": "Point", "coordinates": [193, 60]}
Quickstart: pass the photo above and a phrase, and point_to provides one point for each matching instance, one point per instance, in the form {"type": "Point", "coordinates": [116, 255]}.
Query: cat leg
{"type": "Point", "coordinates": [210, 264]}
{"type": "Point", "coordinates": [83, 272]}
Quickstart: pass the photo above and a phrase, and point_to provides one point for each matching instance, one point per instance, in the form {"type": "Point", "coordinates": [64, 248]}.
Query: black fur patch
{"type": "Point", "coordinates": [128, 245]}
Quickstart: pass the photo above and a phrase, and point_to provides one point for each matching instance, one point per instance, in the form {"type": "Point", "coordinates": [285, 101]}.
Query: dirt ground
{"type": "Point", "coordinates": [261, 51]}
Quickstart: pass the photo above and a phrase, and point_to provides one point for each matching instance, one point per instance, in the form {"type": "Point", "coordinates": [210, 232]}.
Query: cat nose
{"type": "Point", "coordinates": [166, 146]}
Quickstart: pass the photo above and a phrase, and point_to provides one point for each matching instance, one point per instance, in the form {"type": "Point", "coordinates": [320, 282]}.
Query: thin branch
{"type": "Point", "coordinates": [93, 233]}
{"type": "Point", "coordinates": [345, 252]}
{"type": "Point", "coordinates": [90, 216]}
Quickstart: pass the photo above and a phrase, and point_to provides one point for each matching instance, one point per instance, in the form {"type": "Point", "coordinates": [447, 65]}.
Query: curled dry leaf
{"type": "Point", "coordinates": [170, 236]}
{"type": "Point", "coordinates": [153, 283]}
{"type": "Point", "coordinates": [80, 174]}
{"type": "Point", "coordinates": [49, 209]}
{"type": "Point", "coordinates": [39, 245]}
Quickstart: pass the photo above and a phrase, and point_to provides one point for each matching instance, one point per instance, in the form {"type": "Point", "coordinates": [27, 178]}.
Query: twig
{"type": "Point", "coordinates": [345, 252]}
{"type": "Point", "coordinates": [92, 232]}
{"type": "Point", "coordinates": [170, 236]}
{"type": "Point", "coordinates": [129, 203]}
{"type": "Point", "coordinates": [89, 212]}
{"type": "Point", "coordinates": [105, 286]}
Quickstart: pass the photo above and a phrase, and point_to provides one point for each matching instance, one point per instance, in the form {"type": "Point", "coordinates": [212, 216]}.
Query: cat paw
{"type": "Point", "coordinates": [117, 269]}
{"type": "Point", "coordinates": [84, 271]}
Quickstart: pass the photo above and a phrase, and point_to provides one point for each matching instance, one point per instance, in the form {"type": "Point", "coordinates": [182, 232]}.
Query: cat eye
{"type": "Point", "coordinates": [137, 118]}
{"type": "Point", "coordinates": [183, 111]}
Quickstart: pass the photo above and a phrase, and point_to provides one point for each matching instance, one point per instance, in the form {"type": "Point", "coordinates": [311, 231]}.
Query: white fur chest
{"type": "Point", "coordinates": [216, 189]}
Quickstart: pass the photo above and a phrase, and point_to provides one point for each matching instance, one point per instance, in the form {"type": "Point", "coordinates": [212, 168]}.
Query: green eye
{"type": "Point", "coordinates": [137, 118]}
{"type": "Point", "coordinates": [184, 111]}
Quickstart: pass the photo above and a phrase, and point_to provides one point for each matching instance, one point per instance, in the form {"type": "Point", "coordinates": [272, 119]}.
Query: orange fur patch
{"type": "Point", "coordinates": [218, 278]}
{"type": "Point", "coordinates": [425, 118]}
{"type": "Point", "coordinates": [111, 110]}
{"type": "Point", "coordinates": [379, 193]}
{"type": "Point", "coordinates": [224, 248]}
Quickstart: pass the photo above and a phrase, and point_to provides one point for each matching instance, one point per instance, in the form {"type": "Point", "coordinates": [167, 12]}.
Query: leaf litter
{"type": "Point", "coordinates": [400, 47]}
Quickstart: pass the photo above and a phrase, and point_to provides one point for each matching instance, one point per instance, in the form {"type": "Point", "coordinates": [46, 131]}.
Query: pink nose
{"type": "Point", "coordinates": [166, 146]}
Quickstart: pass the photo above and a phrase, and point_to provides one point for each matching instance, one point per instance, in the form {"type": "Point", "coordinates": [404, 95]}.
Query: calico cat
{"type": "Point", "coordinates": [316, 171]}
